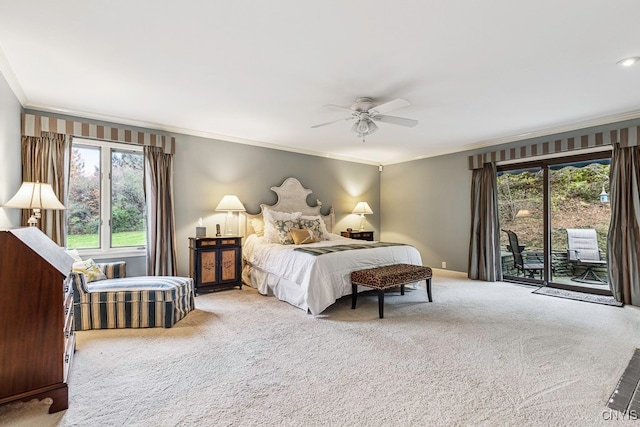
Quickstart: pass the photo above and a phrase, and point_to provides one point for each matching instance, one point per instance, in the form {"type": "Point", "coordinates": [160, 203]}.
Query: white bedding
{"type": "Point", "coordinates": [315, 282]}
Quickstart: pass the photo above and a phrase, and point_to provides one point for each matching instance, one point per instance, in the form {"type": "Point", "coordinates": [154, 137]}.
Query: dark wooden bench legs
{"type": "Point", "coordinates": [354, 296]}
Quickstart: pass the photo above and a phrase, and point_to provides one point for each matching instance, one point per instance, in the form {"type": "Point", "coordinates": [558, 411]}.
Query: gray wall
{"type": "Point", "coordinates": [423, 202]}
{"type": "Point", "coordinates": [206, 170]}
{"type": "Point", "coordinates": [10, 141]}
{"type": "Point", "coordinates": [426, 203]}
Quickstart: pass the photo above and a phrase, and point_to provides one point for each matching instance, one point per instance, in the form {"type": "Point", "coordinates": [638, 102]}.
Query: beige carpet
{"type": "Point", "coordinates": [480, 354]}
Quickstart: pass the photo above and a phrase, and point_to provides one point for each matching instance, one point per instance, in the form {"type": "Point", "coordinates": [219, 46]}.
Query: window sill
{"type": "Point", "coordinates": [113, 253]}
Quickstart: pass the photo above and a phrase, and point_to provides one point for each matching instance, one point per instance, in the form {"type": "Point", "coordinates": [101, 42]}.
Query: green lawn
{"type": "Point", "coordinates": [87, 241]}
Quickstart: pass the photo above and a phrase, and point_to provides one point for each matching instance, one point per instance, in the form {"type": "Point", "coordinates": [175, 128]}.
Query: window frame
{"type": "Point", "coordinates": [106, 250]}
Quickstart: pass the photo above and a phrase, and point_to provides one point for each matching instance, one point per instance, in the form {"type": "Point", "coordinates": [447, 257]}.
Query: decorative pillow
{"type": "Point", "coordinates": [302, 236]}
{"type": "Point", "coordinates": [315, 223]}
{"type": "Point", "coordinates": [283, 228]}
{"type": "Point", "coordinates": [258, 226]}
{"type": "Point", "coordinates": [271, 234]}
{"type": "Point", "coordinates": [91, 271]}
{"type": "Point", "coordinates": [73, 253]}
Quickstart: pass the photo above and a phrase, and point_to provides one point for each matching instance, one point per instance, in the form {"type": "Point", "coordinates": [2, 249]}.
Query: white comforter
{"type": "Point", "coordinates": [315, 282]}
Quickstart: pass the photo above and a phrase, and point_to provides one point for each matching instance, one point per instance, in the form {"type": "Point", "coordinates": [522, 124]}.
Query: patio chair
{"type": "Point", "coordinates": [528, 264]}
{"type": "Point", "coordinates": [583, 251]}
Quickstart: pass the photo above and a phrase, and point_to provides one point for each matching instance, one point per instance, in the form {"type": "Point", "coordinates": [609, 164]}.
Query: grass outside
{"type": "Point", "coordinates": [89, 241]}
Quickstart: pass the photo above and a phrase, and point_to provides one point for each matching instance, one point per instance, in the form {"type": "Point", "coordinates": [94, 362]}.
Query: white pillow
{"type": "Point", "coordinates": [258, 226]}
{"type": "Point", "coordinates": [271, 233]}
{"type": "Point", "coordinates": [315, 223]}
{"type": "Point", "coordinates": [73, 253]}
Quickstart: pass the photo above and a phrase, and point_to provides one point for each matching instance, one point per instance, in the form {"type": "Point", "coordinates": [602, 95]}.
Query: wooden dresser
{"type": "Point", "coordinates": [36, 318]}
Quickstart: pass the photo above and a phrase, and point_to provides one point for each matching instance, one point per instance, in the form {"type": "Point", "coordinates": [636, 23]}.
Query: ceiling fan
{"type": "Point", "coordinates": [366, 113]}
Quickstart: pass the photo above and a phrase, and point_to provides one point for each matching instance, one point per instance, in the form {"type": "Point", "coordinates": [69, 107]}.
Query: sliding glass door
{"type": "Point", "coordinates": [521, 215]}
{"type": "Point", "coordinates": [558, 211]}
{"type": "Point", "coordinates": [580, 215]}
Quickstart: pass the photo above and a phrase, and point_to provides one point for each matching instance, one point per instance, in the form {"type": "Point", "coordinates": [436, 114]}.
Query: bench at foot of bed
{"type": "Point", "coordinates": [130, 302]}
{"type": "Point", "coordinates": [389, 276]}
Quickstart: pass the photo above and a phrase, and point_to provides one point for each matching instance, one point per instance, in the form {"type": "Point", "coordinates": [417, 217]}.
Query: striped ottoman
{"type": "Point", "coordinates": [130, 302]}
{"type": "Point", "coordinates": [389, 276]}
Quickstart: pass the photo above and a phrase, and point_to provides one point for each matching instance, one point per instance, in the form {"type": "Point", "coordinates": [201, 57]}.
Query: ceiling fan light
{"type": "Point", "coordinates": [628, 62]}
{"type": "Point", "coordinates": [363, 127]}
{"type": "Point", "coordinates": [372, 127]}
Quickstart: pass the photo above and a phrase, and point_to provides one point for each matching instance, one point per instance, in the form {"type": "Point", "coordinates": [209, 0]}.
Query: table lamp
{"type": "Point", "coordinates": [36, 196]}
{"type": "Point", "coordinates": [230, 203]}
{"type": "Point", "coordinates": [363, 209]}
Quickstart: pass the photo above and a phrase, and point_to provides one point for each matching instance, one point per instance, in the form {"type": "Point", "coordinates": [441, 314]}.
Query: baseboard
{"type": "Point", "coordinates": [448, 273]}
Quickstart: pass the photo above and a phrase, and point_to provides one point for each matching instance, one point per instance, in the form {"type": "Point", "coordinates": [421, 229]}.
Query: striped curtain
{"type": "Point", "coordinates": [161, 239]}
{"type": "Point", "coordinates": [484, 247]}
{"type": "Point", "coordinates": [43, 159]}
{"type": "Point", "coordinates": [623, 243]}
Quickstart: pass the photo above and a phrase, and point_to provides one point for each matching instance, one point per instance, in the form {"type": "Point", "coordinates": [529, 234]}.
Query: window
{"type": "Point", "coordinates": [106, 206]}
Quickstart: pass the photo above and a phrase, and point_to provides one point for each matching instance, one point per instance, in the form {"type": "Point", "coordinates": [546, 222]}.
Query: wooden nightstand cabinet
{"type": "Point", "coordinates": [359, 235]}
{"type": "Point", "coordinates": [215, 262]}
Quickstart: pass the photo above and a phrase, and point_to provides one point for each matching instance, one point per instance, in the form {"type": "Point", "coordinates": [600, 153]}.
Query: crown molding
{"type": "Point", "coordinates": [226, 138]}
{"type": "Point", "coordinates": [631, 115]}
{"type": "Point", "coordinates": [192, 132]}
{"type": "Point", "coordinates": [12, 80]}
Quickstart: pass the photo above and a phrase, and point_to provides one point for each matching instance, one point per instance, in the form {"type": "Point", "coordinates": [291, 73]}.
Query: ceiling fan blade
{"type": "Point", "coordinates": [401, 121]}
{"type": "Point", "coordinates": [337, 107]}
{"type": "Point", "coordinates": [332, 121]}
{"type": "Point", "coordinates": [389, 106]}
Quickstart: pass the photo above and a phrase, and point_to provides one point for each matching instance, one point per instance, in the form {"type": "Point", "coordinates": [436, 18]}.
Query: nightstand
{"type": "Point", "coordinates": [359, 235]}
{"type": "Point", "coordinates": [215, 262]}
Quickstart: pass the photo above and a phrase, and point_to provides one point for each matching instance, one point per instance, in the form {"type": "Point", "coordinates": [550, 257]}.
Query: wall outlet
{"type": "Point", "coordinates": [444, 264]}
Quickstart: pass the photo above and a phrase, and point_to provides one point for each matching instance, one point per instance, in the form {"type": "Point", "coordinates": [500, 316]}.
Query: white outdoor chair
{"type": "Point", "coordinates": [582, 250]}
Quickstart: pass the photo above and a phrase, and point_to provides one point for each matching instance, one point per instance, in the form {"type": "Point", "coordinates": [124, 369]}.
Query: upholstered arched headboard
{"type": "Point", "coordinates": [292, 197]}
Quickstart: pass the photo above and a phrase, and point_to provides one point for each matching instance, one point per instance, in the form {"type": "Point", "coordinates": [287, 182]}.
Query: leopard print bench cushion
{"type": "Point", "coordinates": [390, 276]}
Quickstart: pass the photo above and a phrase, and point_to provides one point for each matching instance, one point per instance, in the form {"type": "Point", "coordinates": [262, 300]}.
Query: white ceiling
{"type": "Point", "coordinates": [476, 72]}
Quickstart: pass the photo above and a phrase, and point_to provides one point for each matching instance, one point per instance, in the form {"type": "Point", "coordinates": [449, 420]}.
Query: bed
{"type": "Point", "coordinates": [309, 276]}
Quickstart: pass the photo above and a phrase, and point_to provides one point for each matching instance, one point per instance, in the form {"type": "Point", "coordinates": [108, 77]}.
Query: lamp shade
{"type": "Point", "coordinates": [35, 195]}
{"type": "Point", "coordinates": [230, 203]}
{"type": "Point", "coordinates": [362, 208]}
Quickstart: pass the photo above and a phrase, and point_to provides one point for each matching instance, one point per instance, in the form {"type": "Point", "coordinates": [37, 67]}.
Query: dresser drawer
{"type": "Point", "coordinates": [69, 349]}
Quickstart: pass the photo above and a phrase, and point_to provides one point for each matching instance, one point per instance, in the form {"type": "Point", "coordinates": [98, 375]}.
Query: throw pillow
{"type": "Point", "coordinates": [90, 270]}
{"type": "Point", "coordinates": [315, 223]}
{"type": "Point", "coordinates": [303, 236]}
{"type": "Point", "coordinates": [283, 229]}
{"type": "Point", "coordinates": [270, 232]}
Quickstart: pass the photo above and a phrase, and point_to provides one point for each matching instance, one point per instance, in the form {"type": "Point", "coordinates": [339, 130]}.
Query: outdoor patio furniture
{"type": "Point", "coordinates": [583, 251]}
{"type": "Point", "coordinates": [527, 263]}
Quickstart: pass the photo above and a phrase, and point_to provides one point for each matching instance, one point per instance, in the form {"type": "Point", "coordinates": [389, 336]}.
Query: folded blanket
{"type": "Point", "coordinates": [315, 251]}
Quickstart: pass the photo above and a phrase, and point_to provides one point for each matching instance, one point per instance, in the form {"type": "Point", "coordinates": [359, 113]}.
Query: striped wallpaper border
{"type": "Point", "coordinates": [629, 136]}
{"type": "Point", "coordinates": [33, 125]}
